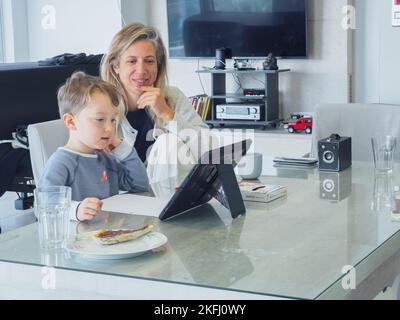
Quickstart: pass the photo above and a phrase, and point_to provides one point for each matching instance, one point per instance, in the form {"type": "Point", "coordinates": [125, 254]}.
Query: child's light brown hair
{"type": "Point", "coordinates": [75, 94]}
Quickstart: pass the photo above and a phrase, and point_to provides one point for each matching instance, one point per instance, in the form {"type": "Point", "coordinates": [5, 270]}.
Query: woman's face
{"type": "Point", "coordinates": [138, 67]}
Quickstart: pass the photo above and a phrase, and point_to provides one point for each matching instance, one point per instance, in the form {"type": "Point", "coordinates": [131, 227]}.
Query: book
{"type": "Point", "coordinates": [206, 114]}
{"type": "Point", "coordinates": [255, 191]}
{"type": "Point", "coordinates": [201, 104]}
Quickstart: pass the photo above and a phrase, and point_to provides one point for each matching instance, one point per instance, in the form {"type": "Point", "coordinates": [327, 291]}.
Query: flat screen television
{"type": "Point", "coordinates": [252, 29]}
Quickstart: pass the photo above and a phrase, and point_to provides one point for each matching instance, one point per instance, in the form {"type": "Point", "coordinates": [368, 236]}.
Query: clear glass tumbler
{"type": "Point", "coordinates": [52, 205]}
{"type": "Point", "coordinates": [383, 148]}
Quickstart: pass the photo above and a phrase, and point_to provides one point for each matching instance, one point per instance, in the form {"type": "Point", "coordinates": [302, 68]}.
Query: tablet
{"type": "Point", "coordinates": [212, 176]}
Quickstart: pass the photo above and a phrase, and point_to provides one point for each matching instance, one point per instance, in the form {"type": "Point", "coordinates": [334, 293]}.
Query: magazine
{"type": "Point", "coordinates": [255, 191]}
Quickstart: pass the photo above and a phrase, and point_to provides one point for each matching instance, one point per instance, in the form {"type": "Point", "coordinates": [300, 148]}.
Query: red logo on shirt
{"type": "Point", "coordinates": [104, 176]}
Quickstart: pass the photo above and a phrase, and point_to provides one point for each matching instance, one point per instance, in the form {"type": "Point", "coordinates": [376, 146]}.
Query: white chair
{"type": "Point", "coordinates": [358, 121]}
{"type": "Point", "coordinates": [44, 139]}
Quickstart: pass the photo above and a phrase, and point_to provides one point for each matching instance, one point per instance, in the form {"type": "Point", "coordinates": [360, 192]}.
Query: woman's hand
{"type": "Point", "coordinates": [88, 209]}
{"type": "Point", "coordinates": [153, 98]}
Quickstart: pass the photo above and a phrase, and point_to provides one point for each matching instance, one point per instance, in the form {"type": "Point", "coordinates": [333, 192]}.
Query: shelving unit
{"type": "Point", "coordinates": [270, 100]}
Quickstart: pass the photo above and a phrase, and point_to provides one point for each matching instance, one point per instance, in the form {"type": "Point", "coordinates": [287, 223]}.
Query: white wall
{"type": "Point", "coordinates": [20, 29]}
{"type": "Point", "coordinates": [15, 30]}
{"type": "Point", "coordinates": [389, 77]}
{"type": "Point", "coordinates": [8, 31]}
{"type": "Point", "coordinates": [377, 51]}
{"type": "Point", "coordinates": [81, 26]}
{"type": "Point", "coordinates": [366, 52]}
{"type": "Point", "coordinates": [323, 77]}
{"type": "Point", "coordinates": [135, 11]}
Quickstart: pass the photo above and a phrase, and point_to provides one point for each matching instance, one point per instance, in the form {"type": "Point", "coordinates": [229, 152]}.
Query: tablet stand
{"type": "Point", "coordinates": [227, 191]}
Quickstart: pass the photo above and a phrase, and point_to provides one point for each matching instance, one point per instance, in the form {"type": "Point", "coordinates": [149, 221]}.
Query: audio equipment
{"type": "Point", "coordinates": [254, 92]}
{"type": "Point", "coordinates": [239, 111]}
{"type": "Point", "coordinates": [334, 153]}
{"type": "Point", "coordinates": [335, 186]}
{"type": "Point", "coordinates": [220, 55]}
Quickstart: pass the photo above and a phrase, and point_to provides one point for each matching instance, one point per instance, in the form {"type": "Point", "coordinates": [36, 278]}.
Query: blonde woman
{"type": "Point", "coordinates": [156, 113]}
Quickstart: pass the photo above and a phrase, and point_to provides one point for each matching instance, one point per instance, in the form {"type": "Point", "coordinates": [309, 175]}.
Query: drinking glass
{"type": "Point", "coordinates": [52, 205]}
{"type": "Point", "coordinates": [383, 148]}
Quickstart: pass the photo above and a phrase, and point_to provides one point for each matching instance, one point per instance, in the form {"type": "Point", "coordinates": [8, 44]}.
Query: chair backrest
{"type": "Point", "coordinates": [44, 139]}
{"type": "Point", "coordinates": [358, 121]}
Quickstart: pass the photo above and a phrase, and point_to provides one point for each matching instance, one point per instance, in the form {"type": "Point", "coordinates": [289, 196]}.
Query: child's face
{"type": "Point", "coordinates": [96, 123]}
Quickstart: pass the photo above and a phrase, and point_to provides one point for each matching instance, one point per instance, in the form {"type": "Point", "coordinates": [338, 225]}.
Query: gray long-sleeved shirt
{"type": "Point", "coordinates": [94, 175]}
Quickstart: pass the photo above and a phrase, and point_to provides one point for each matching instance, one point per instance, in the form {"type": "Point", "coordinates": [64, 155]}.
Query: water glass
{"type": "Point", "coordinates": [52, 205]}
{"type": "Point", "coordinates": [383, 148]}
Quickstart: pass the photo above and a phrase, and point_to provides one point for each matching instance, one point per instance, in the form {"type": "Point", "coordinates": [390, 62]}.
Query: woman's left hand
{"type": "Point", "coordinates": [154, 98]}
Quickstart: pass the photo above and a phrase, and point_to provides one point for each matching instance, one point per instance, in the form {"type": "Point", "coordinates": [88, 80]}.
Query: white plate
{"type": "Point", "coordinates": [85, 246]}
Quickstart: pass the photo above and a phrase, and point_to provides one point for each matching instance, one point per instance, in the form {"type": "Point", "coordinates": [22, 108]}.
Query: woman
{"type": "Point", "coordinates": [136, 64]}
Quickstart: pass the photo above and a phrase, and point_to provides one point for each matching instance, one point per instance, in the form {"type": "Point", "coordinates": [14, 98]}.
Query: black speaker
{"type": "Point", "coordinates": [335, 186]}
{"type": "Point", "coordinates": [220, 55]}
{"type": "Point", "coordinates": [334, 153]}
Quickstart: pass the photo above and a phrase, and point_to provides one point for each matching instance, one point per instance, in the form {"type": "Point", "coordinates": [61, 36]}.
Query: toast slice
{"type": "Point", "coordinates": [110, 236]}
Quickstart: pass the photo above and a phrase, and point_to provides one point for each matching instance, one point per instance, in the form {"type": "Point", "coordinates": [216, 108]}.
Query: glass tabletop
{"type": "Point", "coordinates": [295, 247]}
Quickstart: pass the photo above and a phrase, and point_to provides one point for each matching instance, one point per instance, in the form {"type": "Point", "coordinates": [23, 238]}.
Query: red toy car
{"type": "Point", "coordinates": [301, 124]}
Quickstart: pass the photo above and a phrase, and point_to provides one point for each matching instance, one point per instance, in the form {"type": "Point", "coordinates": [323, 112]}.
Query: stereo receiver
{"type": "Point", "coordinates": [254, 92]}
{"type": "Point", "coordinates": [239, 111]}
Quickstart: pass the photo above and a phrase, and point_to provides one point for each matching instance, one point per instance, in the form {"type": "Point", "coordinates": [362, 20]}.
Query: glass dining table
{"type": "Point", "coordinates": [334, 236]}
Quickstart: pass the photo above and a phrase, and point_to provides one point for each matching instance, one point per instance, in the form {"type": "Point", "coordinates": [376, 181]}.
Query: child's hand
{"type": "Point", "coordinates": [114, 143]}
{"type": "Point", "coordinates": [88, 209]}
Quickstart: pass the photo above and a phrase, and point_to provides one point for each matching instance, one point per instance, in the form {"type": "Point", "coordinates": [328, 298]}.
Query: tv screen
{"type": "Point", "coordinates": [252, 29]}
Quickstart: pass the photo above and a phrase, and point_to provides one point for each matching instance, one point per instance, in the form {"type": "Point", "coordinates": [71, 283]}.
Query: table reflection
{"type": "Point", "coordinates": [335, 186]}
{"type": "Point", "coordinates": [54, 258]}
{"type": "Point", "coordinates": [216, 241]}
{"type": "Point", "coordinates": [383, 193]}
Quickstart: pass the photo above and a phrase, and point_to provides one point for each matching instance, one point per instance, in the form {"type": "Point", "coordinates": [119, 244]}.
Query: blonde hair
{"type": "Point", "coordinates": [75, 94]}
{"type": "Point", "coordinates": [121, 42]}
